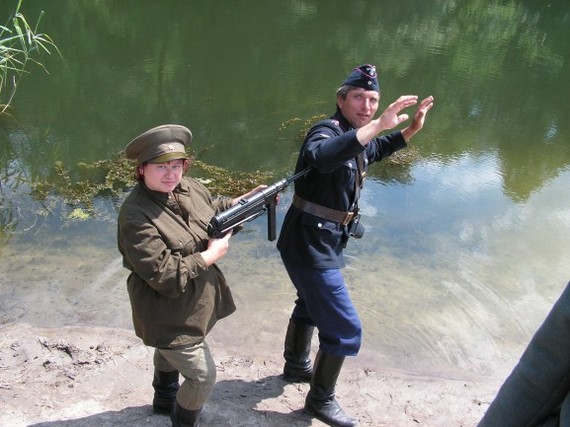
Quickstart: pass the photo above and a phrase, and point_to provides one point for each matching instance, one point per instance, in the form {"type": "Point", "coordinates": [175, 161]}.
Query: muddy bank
{"type": "Point", "coordinates": [101, 377]}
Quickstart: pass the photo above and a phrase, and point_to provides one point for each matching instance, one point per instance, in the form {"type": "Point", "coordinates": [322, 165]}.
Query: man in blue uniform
{"type": "Point", "coordinates": [318, 224]}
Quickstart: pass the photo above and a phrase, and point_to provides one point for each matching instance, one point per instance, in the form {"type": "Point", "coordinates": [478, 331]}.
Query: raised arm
{"type": "Point", "coordinates": [419, 118]}
{"type": "Point", "coordinates": [389, 119]}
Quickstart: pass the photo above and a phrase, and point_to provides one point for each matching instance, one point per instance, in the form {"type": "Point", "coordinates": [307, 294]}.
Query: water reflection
{"type": "Point", "coordinates": [464, 249]}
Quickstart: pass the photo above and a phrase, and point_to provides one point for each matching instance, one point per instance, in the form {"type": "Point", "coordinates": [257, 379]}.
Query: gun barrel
{"type": "Point", "coordinates": [247, 209]}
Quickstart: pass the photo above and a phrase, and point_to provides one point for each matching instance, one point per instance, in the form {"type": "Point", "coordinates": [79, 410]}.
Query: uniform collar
{"type": "Point", "coordinates": [343, 123]}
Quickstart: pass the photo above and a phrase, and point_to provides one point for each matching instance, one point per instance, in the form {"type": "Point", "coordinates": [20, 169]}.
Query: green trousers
{"type": "Point", "coordinates": [196, 365]}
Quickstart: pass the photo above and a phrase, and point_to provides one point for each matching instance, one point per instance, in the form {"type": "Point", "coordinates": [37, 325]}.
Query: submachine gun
{"type": "Point", "coordinates": [247, 209]}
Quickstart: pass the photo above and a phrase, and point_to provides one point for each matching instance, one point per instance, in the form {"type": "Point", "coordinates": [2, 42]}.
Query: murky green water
{"type": "Point", "coordinates": [465, 249]}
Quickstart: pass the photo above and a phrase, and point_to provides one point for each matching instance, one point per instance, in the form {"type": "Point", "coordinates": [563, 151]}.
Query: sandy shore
{"type": "Point", "coordinates": [435, 351]}
{"type": "Point", "coordinates": [101, 377]}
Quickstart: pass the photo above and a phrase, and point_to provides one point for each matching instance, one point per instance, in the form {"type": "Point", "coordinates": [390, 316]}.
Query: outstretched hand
{"type": "Point", "coordinates": [390, 118]}
{"type": "Point", "coordinates": [419, 118]}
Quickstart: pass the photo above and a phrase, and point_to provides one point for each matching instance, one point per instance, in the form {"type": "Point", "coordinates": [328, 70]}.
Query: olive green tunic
{"type": "Point", "coordinates": [175, 298]}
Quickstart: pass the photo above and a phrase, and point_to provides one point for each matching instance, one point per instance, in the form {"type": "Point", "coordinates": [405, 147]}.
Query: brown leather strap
{"type": "Point", "coordinates": [322, 211]}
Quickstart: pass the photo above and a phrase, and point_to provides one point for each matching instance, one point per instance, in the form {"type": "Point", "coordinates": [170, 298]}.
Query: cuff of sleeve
{"type": "Point", "coordinates": [195, 264]}
{"type": "Point", "coordinates": [400, 140]}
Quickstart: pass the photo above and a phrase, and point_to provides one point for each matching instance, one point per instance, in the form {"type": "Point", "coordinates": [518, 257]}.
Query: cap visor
{"type": "Point", "coordinates": [168, 157]}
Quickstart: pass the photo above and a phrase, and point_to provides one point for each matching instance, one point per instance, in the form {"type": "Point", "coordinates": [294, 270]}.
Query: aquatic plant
{"type": "Point", "coordinates": [73, 193]}
{"type": "Point", "coordinates": [112, 178]}
{"type": "Point", "coordinates": [19, 44]}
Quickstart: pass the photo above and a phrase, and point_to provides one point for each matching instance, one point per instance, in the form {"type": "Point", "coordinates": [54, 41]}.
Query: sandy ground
{"type": "Point", "coordinates": [101, 377]}
{"type": "Point", "coordinates": [435, 351]}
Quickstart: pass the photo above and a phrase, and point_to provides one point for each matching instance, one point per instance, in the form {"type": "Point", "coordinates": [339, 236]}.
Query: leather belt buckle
{"type": "Point", "coordinates": [347, 218]}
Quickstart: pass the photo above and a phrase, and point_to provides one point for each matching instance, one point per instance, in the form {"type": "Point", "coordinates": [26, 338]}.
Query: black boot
{"type": "Point", "coordinates": [320, 401]}
{"type": "Point", "coordinates": [297, 350]}
{"type": "Point", "coordinates": [165, 388]}
{"type": "Point", "coordinates": [182, 417]}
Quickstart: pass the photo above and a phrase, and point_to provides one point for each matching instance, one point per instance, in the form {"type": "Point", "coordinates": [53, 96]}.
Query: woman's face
{"type": "Point", "coordinates": [163, 177]}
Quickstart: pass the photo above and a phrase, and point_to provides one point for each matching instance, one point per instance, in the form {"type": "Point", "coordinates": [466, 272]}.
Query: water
{"type": "Point", "coordinates": [465, 247]}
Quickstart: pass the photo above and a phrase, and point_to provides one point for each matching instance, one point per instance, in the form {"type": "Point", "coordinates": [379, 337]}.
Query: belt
{"type": "Point", "coordinates": [322, 211]}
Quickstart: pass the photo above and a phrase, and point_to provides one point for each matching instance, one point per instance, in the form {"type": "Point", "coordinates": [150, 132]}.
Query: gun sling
{"type": "Point", "coordinates": [322, 211]}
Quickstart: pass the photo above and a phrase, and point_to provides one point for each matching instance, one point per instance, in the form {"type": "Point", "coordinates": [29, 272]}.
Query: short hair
{"type": "Point", "coordinates": [343, 90]}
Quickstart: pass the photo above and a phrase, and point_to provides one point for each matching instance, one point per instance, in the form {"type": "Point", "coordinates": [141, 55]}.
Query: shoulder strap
{"type": "Point", "coordinates": [358, 181]}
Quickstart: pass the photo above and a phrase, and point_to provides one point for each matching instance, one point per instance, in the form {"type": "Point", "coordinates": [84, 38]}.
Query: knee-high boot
{"type": "Point", "coordinates": [165, 388]}
{"type": "Point", "coordinates": [540, 382]}
{"type": "Point", "coordinates": [297, 350]}
{"type": "Point", "coordinates": [182, 417]}
{"type": "Point", "coordinates": [321, 402]}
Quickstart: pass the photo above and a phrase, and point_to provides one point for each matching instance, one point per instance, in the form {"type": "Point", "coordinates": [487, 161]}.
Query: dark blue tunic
{"type": "Point", "coordinates": [331, 148]}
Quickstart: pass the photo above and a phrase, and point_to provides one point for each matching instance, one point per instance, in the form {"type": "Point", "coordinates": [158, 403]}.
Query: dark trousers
{"type": "Point", "coordinates": [323, 301]}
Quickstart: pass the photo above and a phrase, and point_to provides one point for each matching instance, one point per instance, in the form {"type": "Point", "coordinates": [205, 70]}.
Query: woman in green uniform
{"type": "Point", "coordinates": [177, 292]}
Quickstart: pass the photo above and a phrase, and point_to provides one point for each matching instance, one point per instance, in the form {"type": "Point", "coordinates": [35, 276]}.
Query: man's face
{"type": "Point", "coordinates": [359, 106]}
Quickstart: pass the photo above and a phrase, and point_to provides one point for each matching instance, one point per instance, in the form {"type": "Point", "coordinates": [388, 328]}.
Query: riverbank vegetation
{"type": "Point", "coordinates": [20, 45]}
